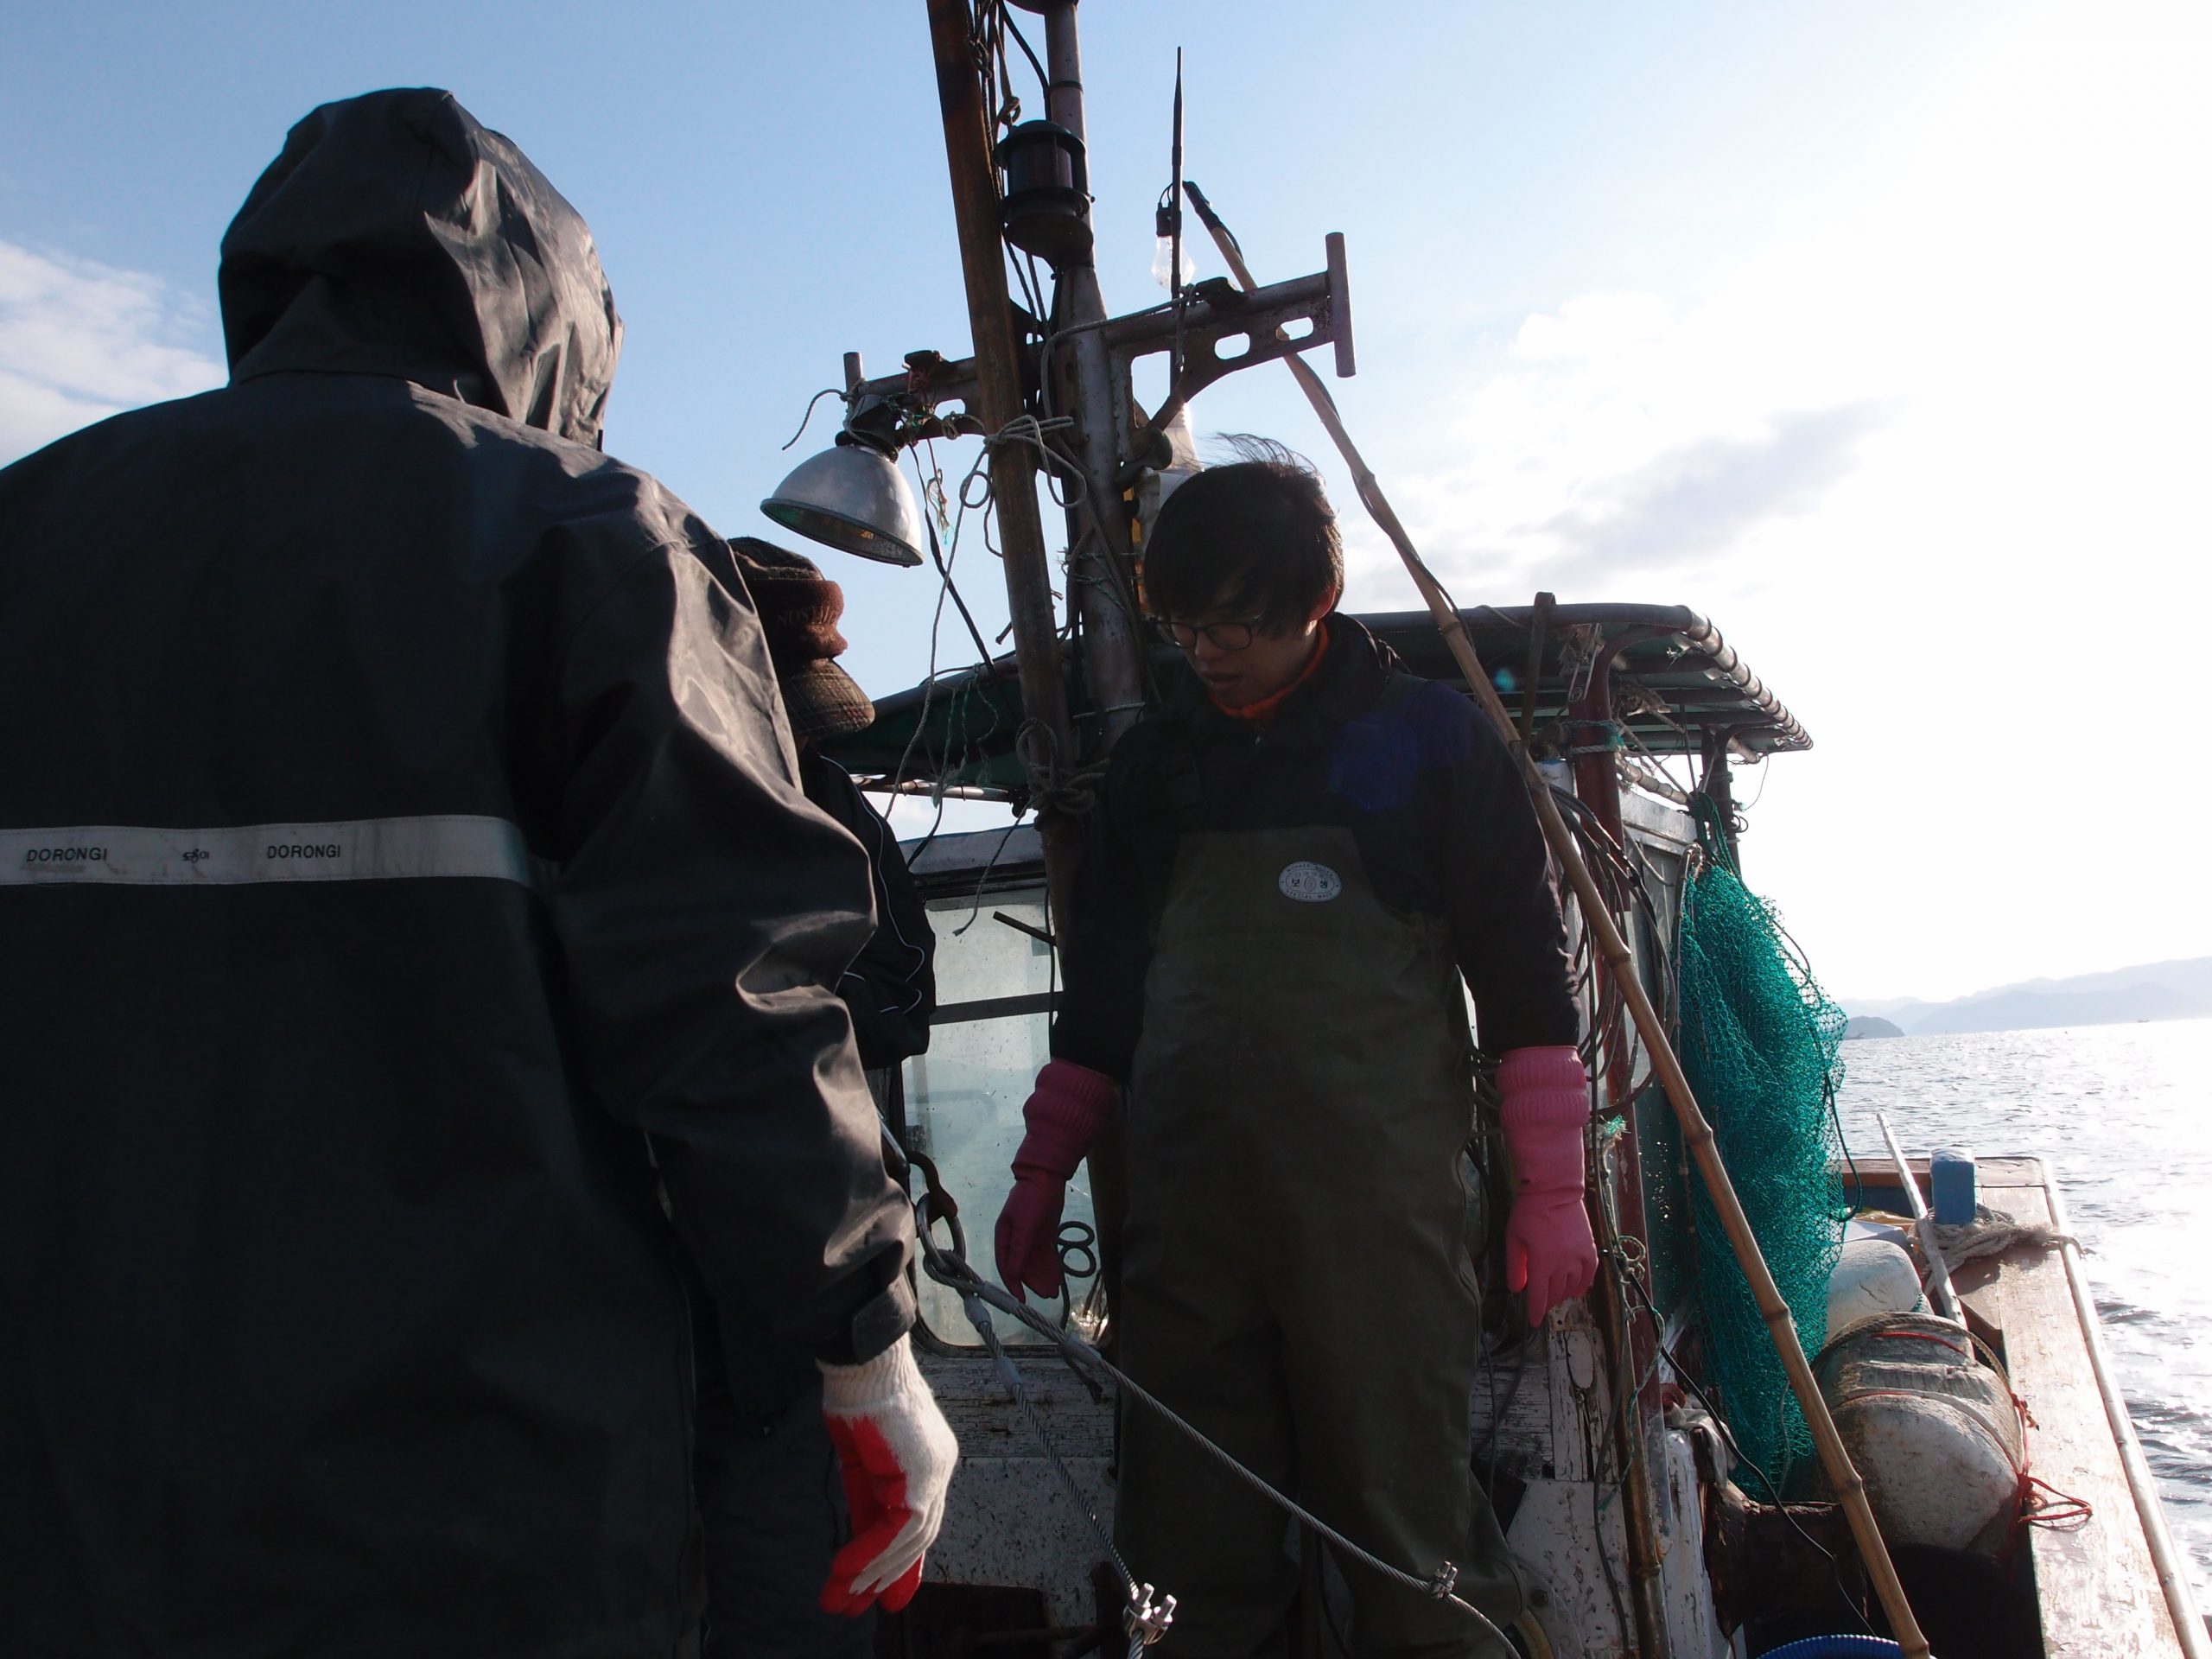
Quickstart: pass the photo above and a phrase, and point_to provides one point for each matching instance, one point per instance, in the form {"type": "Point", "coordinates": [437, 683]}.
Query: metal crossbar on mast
{"type": "Point", "coordinates": [1596, 913]}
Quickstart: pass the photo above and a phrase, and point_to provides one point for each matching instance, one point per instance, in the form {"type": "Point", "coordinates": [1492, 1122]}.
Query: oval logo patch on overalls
{"type": "Point", "coordinates": [1309, 883]}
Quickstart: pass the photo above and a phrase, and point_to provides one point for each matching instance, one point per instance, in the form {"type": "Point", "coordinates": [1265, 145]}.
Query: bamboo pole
{"type": "Point", "coordinates": [1850, 1489]}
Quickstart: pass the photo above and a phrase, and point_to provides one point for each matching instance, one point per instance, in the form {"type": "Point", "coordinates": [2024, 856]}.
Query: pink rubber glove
{"type": "Point", "coordinates": [896, 1452]}
{"type": "Point", "coordinates": [1065, 1114]}
{"type": "Point", "coordinates": [1545, 1102]}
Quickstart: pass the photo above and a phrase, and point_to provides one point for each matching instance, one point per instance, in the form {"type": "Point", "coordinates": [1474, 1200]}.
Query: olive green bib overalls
{"type": "Point", "coordinates": [1297, 1281]}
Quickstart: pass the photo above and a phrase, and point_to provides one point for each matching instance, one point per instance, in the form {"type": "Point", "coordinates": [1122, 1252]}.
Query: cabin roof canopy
{"type": "Point", "coordinates": [1675, 685]}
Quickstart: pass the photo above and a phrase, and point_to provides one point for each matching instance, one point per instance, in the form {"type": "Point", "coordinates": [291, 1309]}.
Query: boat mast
{"type": "Point", "coordinates": [1050, 751]}
{"type": "Point", "coordinates": [1088, 389]}
{"type": "Point", "coordinates": [1065, 401]}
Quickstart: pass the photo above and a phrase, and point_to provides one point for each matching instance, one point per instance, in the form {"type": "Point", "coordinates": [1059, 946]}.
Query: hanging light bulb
{"type": "Point", "coordinates": [852, 496]}
{"type": "Point", "coordinates": [1164, 222]}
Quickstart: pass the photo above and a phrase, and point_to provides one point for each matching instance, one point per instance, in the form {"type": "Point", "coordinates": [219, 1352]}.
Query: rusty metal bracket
{"type": "Point", "coordinates": [1217, 316]}
{"type": "Point", "coordinates": [1220, 314]}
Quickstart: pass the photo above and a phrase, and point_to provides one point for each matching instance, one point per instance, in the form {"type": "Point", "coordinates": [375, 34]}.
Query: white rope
{"type": "Point", "coordinates": [1029, 430]}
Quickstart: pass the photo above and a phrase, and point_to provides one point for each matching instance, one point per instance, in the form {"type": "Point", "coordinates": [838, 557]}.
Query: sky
{"type": "Point", "coordinates": [1877, 335]}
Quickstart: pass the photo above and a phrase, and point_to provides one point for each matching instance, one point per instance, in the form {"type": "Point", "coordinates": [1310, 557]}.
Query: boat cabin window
{"type": "Point", "coordinates": [963, 1100]}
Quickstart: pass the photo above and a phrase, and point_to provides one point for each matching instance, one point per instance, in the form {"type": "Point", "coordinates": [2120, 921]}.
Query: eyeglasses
{"type": "Point", "coordinates": [1221, 636]}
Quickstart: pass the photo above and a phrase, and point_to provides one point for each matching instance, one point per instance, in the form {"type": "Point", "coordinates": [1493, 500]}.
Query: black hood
{"type": "Point", "coordinates": [396, 235]}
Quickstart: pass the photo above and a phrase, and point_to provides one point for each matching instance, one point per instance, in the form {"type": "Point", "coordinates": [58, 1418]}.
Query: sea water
{"type": "Point", "coordinates": [2124, 1116]}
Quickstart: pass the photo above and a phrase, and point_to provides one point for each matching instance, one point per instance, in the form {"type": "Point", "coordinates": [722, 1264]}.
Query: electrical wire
{"type": "Point", "coordinates": [1759, 794]}
{"type": "Point", "coordinates": [1032, 290]}
{"type": "Point", "coordinates": [1009, 26]}
{"type": "Point", "coordinates": [1633, 1275]}
{"type": "Point", "coordinates": [983, 880]}
{"type": "Point", "coordinates": [946, 589]}
{"type": "Point", "coordinates": [974, 495]}
{"type": "Point", "coordinates": [1633, 1278]}
{"type": "Point", "coordinates": [987, 46]}
{"type": "Point", "coordinates": [932, 510]}
{"type": "Point", "coordinates": [1591, 1442]}
{"type": "Point", "coordinates": [1037, 287]}
{"type": "Point", "coordinates": [1499, 1412]}
{"type": "Point", "coordinates": [807, 418]}
{"type": "Point", "coordinates": [1117, 582]}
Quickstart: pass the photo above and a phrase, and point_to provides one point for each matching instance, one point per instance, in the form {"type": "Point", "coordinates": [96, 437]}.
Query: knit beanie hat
{"type": "Point", "coordinates": [799, 607]}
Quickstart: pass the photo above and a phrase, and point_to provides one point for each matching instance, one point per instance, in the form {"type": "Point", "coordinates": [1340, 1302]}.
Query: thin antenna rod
{"type": "Point", "coordinates": [1175, 230]}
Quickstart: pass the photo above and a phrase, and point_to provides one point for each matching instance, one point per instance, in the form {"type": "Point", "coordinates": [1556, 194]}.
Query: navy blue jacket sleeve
{"type": "Point", "coordinates": [1107, 943]}
{"type": "Point", "coordinates": [1496, 873]}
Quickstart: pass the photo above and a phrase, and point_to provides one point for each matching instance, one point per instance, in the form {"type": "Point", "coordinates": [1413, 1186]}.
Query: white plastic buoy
{"type": "Point", "coordinates": [1873, 1276]}
{"type": "Point", "coordinates": [1933, 1432]}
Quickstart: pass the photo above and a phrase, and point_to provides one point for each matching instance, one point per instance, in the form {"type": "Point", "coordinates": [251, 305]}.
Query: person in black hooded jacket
{"type": "Point", "coordinates": [408, 908]}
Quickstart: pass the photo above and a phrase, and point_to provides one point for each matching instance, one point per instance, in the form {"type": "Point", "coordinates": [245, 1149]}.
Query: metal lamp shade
{"type": "Point", "coordinates": [854, 498]}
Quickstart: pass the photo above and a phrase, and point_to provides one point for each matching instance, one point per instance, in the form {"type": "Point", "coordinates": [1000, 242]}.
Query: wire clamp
{"type": "Point", "coordinates": [1444, 1581]}
{"type": "Point", "coordinates": [1146, 1620]}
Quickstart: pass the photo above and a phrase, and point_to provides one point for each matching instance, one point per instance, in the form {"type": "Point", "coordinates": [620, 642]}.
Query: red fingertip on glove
{"type": "Point", "coordinates": [896, 1455]}
{"type": "Point", "coordinates": [875, 1499]}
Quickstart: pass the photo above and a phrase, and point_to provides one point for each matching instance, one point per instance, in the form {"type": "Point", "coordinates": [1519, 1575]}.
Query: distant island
{"type": "Point", "coordinates": [1869, 1025]}
{"type": "Point", "coordinates": [2157, 990]}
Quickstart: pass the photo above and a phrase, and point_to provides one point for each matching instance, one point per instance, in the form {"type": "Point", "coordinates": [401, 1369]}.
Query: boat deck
{"type": "Point", "coordinates": [2098, 1581]}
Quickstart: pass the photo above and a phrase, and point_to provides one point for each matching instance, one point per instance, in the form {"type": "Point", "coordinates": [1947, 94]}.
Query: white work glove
{"type": "Point", "coordinates": [897, 1454]}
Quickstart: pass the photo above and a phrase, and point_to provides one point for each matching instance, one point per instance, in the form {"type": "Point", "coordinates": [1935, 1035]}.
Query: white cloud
{"type": "Point", "coordinates": [1593, 327]}
{"type": "Point", "coordinates": [80, 341]}
{"type": "Point", "coordinates": [1938, 471]}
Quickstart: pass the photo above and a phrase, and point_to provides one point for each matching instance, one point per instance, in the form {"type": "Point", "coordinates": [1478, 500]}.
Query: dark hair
{"type": "Point", "coordinates": [1257, 535]}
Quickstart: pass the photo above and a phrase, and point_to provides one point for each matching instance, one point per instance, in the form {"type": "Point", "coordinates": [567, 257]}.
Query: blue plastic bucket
{"type": "Point", "coordinates": [1835, 1647]}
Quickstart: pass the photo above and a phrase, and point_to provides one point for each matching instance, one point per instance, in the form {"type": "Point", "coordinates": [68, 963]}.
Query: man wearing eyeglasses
{"type": "Point", "coordinates": [1292, 871]}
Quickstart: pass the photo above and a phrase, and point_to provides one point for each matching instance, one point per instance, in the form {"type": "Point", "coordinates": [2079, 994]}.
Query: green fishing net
{"type": "Point", "coordinates": [1759, 1040]}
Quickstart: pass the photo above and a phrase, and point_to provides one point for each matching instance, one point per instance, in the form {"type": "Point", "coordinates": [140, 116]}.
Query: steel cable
{"type": "Point", "coordinates": [950, 1269]}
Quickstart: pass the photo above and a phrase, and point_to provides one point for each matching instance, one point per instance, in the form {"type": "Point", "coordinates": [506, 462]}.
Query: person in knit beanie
{"type": "Point", "coordinates": [889, 989]}
{"type": "Point", "coordinates": [766, 1492]}
{"type": "Point", "coordinates": [799, 610]}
